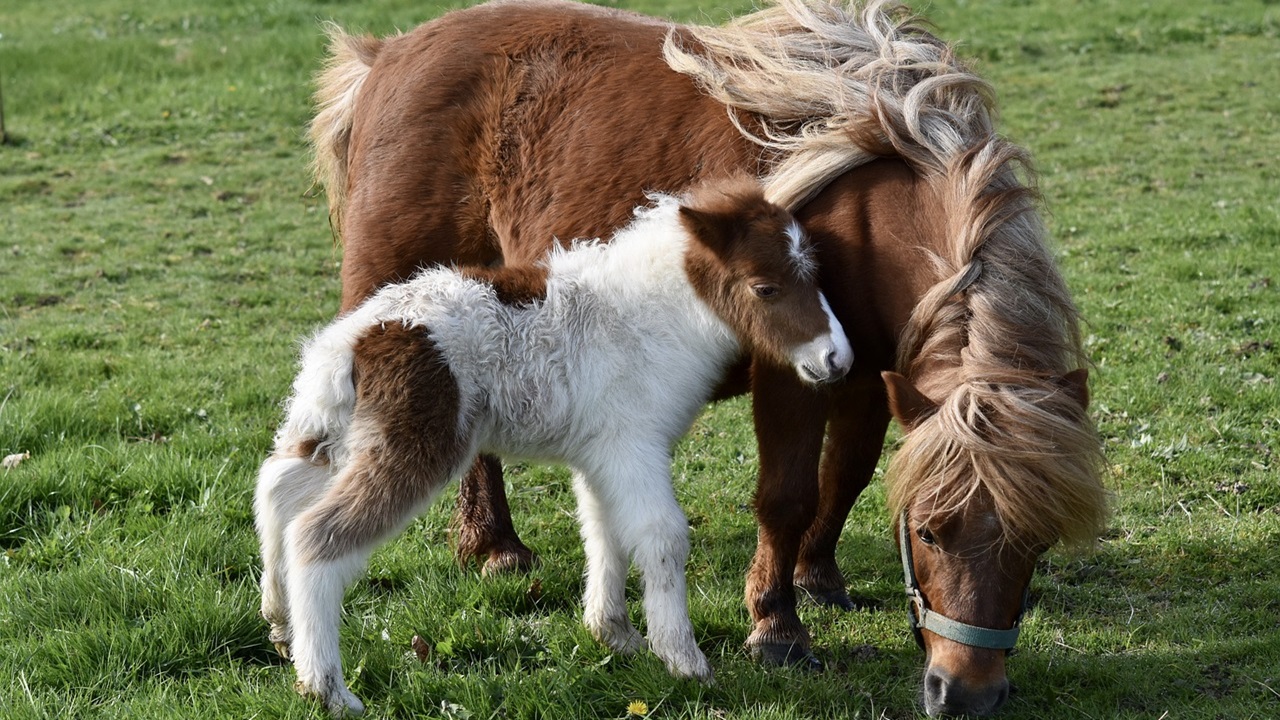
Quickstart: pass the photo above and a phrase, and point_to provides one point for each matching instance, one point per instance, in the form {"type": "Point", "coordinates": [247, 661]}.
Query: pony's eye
{"type": "Point", "coordinates": [763, 290]}
{"type": "Point", "coordinates": [925, 536]}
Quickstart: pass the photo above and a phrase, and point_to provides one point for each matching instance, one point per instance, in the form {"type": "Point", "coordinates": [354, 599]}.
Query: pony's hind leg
{"type": "Point", "coordinates": [605, 601]}
{"type": "Point", "coordinates": [288, 483]}
{"type": "Point", "coordinates": [482, 521]}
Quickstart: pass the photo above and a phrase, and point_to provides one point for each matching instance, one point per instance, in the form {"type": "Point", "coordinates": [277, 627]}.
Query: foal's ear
{"type": "Point", "coordinates": [1076, 383]}
{"type": "Point", "coordinates": [713, 229]}
{"type": "Point", "coordinates": [908, 405]}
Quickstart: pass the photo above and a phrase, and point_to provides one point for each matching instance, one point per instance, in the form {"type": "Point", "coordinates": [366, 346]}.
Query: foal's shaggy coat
{"type": "Point", "coordinates": [600, 358]}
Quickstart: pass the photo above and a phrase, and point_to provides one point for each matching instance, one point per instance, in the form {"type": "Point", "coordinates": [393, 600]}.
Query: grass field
{"type": "Point", "coordinates": [161, 252]}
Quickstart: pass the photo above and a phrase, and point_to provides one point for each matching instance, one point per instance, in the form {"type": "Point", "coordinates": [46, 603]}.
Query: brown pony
{"type": "Point", "coordinates": [477, 137]}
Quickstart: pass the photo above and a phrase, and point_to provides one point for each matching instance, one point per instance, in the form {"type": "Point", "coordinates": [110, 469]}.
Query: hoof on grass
{"type": "Point", "coordinates": [504, 562]}
{"type": "Point", "coordinates": [786, 655]}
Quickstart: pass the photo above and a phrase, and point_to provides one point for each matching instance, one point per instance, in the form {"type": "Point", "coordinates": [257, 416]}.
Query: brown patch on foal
{"type": "Point", "coordinates": [406, 421]}
{"type": "Point", "coordinates": [520, 285]}
{"type": "Point", "coordinates": [312, 449]}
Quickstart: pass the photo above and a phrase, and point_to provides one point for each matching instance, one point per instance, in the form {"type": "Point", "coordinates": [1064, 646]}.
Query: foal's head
{"type": "Point", "coordinates": [752, 263]}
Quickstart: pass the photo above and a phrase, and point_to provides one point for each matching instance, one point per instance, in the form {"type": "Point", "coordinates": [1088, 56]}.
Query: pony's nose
{"type": "Point", "coordinates": [948, 696]}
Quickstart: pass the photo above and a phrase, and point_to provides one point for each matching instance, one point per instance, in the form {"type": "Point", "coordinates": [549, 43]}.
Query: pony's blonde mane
{"type": "Point", "coordinates": [835, 85]}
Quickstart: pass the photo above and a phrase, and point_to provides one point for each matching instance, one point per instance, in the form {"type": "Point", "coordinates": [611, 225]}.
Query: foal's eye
{"type": "Point", "coordinates": [925, 536]}
{"type": "Point", "coordinates": [764, 291]}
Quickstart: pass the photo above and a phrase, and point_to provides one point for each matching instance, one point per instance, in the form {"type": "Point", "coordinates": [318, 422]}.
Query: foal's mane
{"type": "Point", "coordinates": [836, 85]}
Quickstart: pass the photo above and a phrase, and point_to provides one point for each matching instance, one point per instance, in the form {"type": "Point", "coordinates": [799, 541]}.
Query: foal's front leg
{"type": "Point", "coordinates": [604, 602]}
{"type": "Point", "coordinates": [638, 504]}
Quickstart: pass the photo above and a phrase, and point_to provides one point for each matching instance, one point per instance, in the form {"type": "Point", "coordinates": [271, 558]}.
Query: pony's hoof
{"type": "Point", "coordinates": [504, 562]}
{"type": "Point", "coordinates": [786, 654]}
{"type": "Point", "coordinates": [840, 599]}
{"type": "Point", "coordinates": [832, 598]}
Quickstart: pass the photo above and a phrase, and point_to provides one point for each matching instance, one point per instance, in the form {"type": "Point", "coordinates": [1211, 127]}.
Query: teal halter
{"type": "Point", "coordinates": [922, 618]}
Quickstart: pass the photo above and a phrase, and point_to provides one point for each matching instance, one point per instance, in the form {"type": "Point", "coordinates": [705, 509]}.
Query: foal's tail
{"type": "Point", "coordinates": [324, 394]}
{"type": "Point", "coordinates": [337, 87]}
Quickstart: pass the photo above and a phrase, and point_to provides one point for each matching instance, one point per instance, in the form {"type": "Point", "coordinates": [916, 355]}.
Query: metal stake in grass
{"type": "Point", "coordinates": [3, 138]}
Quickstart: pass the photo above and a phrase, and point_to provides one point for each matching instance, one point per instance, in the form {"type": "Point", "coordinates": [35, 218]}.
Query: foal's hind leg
{"type": "Point", "coordinates": [405, 444]}
{"type": "Point", "coordinates": [328, 546]}
{"type": "Point", "coordinates": [287, 485]}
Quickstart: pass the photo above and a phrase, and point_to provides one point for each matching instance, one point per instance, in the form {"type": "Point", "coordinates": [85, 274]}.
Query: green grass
{"type": "Point", "coordinates": [161, 251]}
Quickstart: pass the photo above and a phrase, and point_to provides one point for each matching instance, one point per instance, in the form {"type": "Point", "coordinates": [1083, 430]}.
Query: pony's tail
{"type": "Point", "coordinates": [351, 57]}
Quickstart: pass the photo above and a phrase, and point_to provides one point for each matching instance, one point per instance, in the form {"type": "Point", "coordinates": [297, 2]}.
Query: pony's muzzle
{"type": "Point", "coordinates": [946, 695]}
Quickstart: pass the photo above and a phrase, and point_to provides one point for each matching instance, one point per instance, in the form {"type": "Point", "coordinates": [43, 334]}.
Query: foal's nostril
{"type": "Point", "coordinates": [835, 364]}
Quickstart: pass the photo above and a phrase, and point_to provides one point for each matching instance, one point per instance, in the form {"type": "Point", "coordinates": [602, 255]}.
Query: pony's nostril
{"type": "Point", "coordinates": [935, 686]}
{"type": "Point", "coordinates": [1002, 696]}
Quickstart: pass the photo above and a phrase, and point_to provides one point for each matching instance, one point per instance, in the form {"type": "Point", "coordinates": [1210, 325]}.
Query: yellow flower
{"type": "Point", "coordinates": [637, 708]}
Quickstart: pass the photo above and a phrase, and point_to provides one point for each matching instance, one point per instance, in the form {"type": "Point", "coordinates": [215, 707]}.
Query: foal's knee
{"type": "Point", "coordinates": [660, 539]}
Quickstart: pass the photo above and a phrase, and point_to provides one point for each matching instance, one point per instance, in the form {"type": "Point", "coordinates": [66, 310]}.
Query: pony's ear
{"type": "Point", "coordinates": [715, 230]}
{"type": "Point", "coordinates": [908, 405]}
{"type": "Point", "coordinates": [1076, 382]}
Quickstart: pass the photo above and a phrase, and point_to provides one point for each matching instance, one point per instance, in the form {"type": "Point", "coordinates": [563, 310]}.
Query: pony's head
{"type": "Point", "coordinates": [988, 478]}
{"type": "Point", "coordinates": [752, 263]}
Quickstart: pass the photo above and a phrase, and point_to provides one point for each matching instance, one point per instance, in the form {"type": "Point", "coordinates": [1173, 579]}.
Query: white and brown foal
{"type": "Point", "coordinates": [600, 358]}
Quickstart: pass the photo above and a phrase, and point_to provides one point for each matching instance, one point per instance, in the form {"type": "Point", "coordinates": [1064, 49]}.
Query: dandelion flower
{"type": "Point", "coordinates": [637, 708]}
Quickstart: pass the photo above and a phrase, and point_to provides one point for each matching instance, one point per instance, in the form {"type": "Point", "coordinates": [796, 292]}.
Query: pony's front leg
{"type": "Point", "coordinates": [790, 418]}
{"type": "Point", "coordinates": [651, 527]}
{"type": "Point", "coordinates": [856, 426]}
{"type": "Point", "coordinates": [287, 485]}
{"type": "Point", "coordinates": [604, 602]}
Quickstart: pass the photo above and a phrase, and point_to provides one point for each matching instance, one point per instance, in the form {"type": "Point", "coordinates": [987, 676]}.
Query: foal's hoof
{"type": "Point", "coordinates": [280, 637]}
{"type": "Point", "coordinates": [786, 654]}
{"type": "Point", "coordinates": [337, 699]}
{"type": "Point", "coordinates": [691, 665]}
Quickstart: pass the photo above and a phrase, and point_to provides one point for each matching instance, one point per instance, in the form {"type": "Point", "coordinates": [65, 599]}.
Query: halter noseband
{"type": "Point", "coordinates": [922, 618]}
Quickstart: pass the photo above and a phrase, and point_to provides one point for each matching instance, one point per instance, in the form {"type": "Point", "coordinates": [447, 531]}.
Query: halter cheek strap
{"type": "Point", "coordinates": [922, 618]}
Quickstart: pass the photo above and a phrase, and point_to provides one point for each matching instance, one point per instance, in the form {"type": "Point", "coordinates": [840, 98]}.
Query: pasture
{"type": "Point", "coordinates": [162, 251]}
